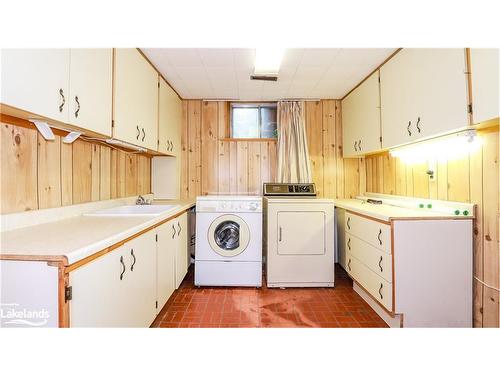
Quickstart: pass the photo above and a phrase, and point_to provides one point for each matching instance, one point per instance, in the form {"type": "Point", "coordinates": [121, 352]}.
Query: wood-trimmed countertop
{"type": "Point", "coordinates": [71, 240]}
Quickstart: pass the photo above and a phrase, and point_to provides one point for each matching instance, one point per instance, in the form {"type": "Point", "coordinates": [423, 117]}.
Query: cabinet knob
{"type": "Point", "coordinates": [63, 100]}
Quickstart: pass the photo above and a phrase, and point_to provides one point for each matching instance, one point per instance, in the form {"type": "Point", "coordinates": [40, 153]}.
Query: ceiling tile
{"type": "Point", "coordinates": [216, 57]}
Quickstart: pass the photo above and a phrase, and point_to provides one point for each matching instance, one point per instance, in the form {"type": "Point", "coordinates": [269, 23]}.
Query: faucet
{"type": "Point", "coordinates": [140, 200]}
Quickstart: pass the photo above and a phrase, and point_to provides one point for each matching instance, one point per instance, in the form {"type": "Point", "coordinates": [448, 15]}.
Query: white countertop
{"type": "Point", "coordinates": [79, 237]}
{"type": "Point", "coordinates": [388, 212]}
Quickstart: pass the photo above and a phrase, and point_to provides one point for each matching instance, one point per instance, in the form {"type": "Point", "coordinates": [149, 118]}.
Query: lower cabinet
{"type": "Point", "coordinates": [417, 269]}
{"type": "Point", "coordinates": [128, 286]}
{"type": "Point", "coordinates": [117, 289]}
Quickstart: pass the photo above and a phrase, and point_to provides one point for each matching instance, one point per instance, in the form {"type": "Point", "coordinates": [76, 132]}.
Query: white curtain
{"type": "Point", "coordinates": [293, 154]}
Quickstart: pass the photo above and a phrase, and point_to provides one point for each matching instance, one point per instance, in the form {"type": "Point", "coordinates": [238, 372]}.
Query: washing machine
{"type": "Point", "coordinates": [228, 250]}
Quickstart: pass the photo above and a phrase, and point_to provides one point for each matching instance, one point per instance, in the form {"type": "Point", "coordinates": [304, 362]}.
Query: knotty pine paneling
{"type": "Point", "coordinates": [42, 174]}
{"type": "Point", "coordinates": [472, 178]}
{"type": "Point", "coordinates": [216, 164]}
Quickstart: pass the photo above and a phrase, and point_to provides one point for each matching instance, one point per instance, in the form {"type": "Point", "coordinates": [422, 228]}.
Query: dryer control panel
{"type": "Point", "coordinates": [286, 189]}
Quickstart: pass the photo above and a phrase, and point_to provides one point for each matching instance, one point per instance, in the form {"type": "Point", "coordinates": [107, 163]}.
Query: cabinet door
{"type": "Point", "coordinates": [484, 76]}
{"type": "Point", "coordinates": [182, 259]}
{"type": "Point", "coordinates": [37, 81]}
{"type": "Point", "coordinates": [301, 233]}
{"type": "Point", "coordinates": [423, 94]}
{"type": "Point", "coordinates": [170, 119]}
{"type": "Point", "coordinates": [99, 296]}
{"type": "Point", "coordinates": [141, 258]}
{"type": "Point", "coordinates": [165, 263]}
{"type": "Point", "coordinates": [135, 99]}
{"type": "Point", "coordinates": [91, 89]}
{"type": "Point", "coordinates": [361, 118]}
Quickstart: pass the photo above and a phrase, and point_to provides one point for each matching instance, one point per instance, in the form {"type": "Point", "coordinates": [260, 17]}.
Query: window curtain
{"type": "Point", "coordinates": [293, 154]}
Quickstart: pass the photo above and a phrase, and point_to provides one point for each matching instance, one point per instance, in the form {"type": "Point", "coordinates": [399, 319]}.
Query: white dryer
{"type": "Point", "coordinates": [299, 236]}
{"type": "Point", "coordinates": [228, 241]}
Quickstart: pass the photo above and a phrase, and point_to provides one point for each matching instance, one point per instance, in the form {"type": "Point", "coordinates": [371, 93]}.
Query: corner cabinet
{"type": "Point", "coordinates": [361, 118]}
{"type": "Point", "coordinates": [423, 94]}
{"type": "Point", "coordinates": [485, 68]}
{"type": "Point", "coordinates": [169, 120]}
{"type": "Point", "coordinates": [135, 99]}
{"type": "Point", "coordinates": [72, 86]}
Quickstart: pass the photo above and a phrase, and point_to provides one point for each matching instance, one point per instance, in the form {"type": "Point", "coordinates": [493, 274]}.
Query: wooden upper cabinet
{"type": "Point", "coordinates": [484, 75]}
{"type": "Point", "coordinates": [361, 118]}
{"type": "Point", "coordinates": [170, 120]}
{"type": "Point", "coordinates": [37, 81]}
{"type": "Point", "coordinates": [135, 99]}
{"type": "Point", "coordinates": [91, 89]}
{"type": "Point", "coordinates": [423, 94]}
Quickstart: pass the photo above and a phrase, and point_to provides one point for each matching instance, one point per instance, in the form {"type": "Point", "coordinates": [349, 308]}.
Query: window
{"type": "Point", "coordinates": [253, 120]}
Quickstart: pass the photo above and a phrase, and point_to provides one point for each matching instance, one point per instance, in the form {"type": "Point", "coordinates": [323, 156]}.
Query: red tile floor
{"type": "Point", "coordinates": [221, 307]}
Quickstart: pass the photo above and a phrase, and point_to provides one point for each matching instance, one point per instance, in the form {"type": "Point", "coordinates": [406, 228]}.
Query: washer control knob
{"type": "Point", "coordinates": [253, 206]}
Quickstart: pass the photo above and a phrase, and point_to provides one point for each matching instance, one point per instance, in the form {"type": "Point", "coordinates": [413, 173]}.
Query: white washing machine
{"type": "Point", "coordinates": [228, 241]}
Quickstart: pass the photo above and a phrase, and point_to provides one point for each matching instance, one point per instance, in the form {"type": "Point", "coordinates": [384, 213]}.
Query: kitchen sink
{"type": "Point", "coordinates": [136, 210]}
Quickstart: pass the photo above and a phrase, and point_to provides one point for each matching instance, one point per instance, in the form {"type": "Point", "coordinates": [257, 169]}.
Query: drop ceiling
{"type": "Point", "coordinates": [224, 73]}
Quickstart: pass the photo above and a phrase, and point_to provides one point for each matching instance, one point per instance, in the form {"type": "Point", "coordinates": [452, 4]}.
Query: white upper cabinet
{"type": "Point", "coordinates": [135, 99]}
{"type": "Point", "coordinates": [37, 81]}
{"type": "Point", "coordinates": [91, 89]}
{"type": "Point", "coordinates": [170, 120]}
{"type": "Point", "coordinates": [423, 94]}
{"type": "Point", "coordinates": [484, 75]}
{"type": "Point", "coordinates": [361, 118]}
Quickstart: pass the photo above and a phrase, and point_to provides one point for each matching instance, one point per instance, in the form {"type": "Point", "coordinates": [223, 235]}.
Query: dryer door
{"type": "Point", "coordinates": [228, 235]}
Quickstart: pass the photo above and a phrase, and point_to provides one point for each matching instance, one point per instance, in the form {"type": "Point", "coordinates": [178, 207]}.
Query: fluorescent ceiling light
{"type": "Point", "coordinates": [44, 129]}
{"type": "Point", "coordinates": [268, 60]}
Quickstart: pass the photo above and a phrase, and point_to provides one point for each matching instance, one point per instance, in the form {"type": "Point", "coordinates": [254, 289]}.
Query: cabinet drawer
{"type": "Point", "coordinates": [377, 260]}
{"type": "Point", "coordinates": [375, 233]}
{"type": "Point", "coordinates": [377, 286]}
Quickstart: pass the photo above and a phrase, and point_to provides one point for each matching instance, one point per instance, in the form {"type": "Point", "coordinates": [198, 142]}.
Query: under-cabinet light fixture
{"type": "Point", "coordinates": [44, 129]}
{"type": "Point", "coordinates": [268, 61]}
{"type": "Point", "coordinates": [445, 148]}
{"type": "Point", "coordinates": [116, 142]}
{"type": "Point", "coordinates": [71, 137]}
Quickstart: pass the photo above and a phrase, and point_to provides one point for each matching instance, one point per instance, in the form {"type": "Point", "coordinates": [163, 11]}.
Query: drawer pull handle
{"type": "Point", "coordinates": [356, 146]}
{"type": "Point", "coordinates": [349, 243]}
{"type": "Point", "coordinates": [348, 223]}
{"type": "Point", "coordinates": [123, 270]}
{"type": "Point", "coordinates": [63, 100]}
{"type": "Point", "coordinates": [133, 256]}
{"type": "Point", "coordinates": [359, 145]}
{"type": "Point", "coordinates": [138, 132]}
{"type": "Point", "coordinates": [279, 234]}
{"type": "Point", "coordinates": [380, 264]}
{"type": "Point", "coordinates": [418, 122]}
{"type": "Point", "coordinates": [379, 234]}
{"type": "Point", "coordinates": [180, 229]}
{"type": "Point", "coordinates": [78, 106]}
{"type": "Point", "coordinates": [380, 291]}
{"type": "Point", "coordinates": [349, 264]}
{"type": "Point", "coordinates": [408, 128]}
{"type": "Point", "coordinates": [173, 231]}
{"type": "Point", "coordinates": [143, 134]}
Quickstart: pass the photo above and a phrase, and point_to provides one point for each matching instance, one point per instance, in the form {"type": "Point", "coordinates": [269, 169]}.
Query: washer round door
{"type": "Point", "coordinates": [228, 235]}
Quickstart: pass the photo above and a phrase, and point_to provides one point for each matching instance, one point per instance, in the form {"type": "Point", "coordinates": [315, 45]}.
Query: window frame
{"type": "Point", "coordinates": [256, 105]}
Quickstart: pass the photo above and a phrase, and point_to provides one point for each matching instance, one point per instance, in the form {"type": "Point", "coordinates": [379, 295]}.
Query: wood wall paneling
{"type": "Point", "coordinates": [40, 174]}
